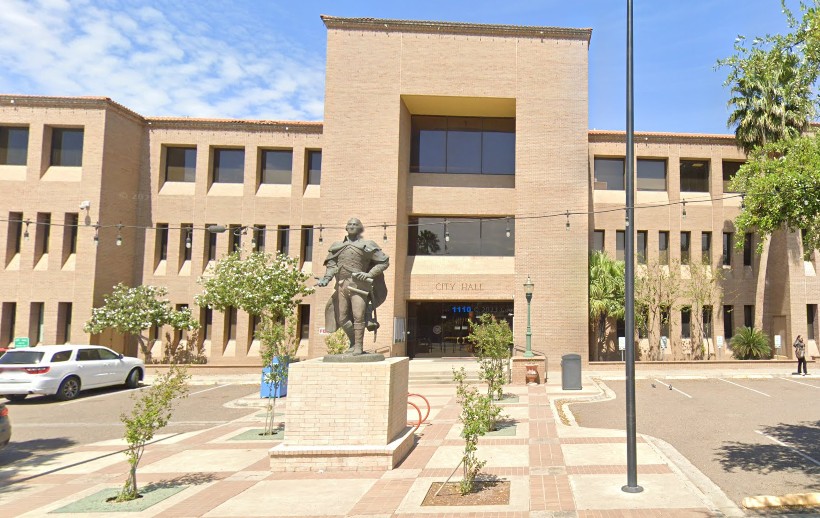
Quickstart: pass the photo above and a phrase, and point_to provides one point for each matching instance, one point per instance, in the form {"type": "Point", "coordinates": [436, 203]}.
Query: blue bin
{"type": "Point", "coordinates": [266, 388]}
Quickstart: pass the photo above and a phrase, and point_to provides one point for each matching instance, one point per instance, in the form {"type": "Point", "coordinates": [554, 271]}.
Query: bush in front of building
{"type": "Point", "coordinates": [492, 339]}
{"type": "Point", "coordinates": [337, 342]}
{"type": "Point", "coordinates": [750, 344]}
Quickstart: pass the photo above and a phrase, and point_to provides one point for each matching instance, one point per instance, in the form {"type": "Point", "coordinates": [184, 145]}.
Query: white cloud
{"type": "Point", "coordinates": [156, 62]}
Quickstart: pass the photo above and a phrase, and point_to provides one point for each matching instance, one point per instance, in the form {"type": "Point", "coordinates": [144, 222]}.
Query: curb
{"type": "Point", "coordinates": [790, 500]}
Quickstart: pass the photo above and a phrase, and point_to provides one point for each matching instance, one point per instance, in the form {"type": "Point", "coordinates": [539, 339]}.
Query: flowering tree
{"type": "Point", "coordinates": [132, 311]}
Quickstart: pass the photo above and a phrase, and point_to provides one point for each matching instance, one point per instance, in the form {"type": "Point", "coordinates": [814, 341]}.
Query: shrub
{"type": "Point", "coordinates": [492, 339]}
{"type": "Point", "coordinates": [337, 342]}
{"type": "Point", "coordinates": [750, 344]}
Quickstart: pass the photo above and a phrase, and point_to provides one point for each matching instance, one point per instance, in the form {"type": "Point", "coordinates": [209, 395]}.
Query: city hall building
{"type": "Point", "coordinates": [463, 148]}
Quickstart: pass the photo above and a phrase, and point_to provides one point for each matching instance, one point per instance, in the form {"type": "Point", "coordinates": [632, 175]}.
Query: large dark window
{"type": "Point", "coordinates": [259, 238]}
{"type": "Point", "coordinates": [304, 321]}
{"type": "Point", "coordinates": [283, 239]}
{"type": "Point", "coordinates": [686, 323]}
{"type": "Point", "coordinates": [229, 166]}
{"type": "Point", "coordinates": [620, 240]}
{"type": "Point", "coordinates": [180, 164]}
{"type": "Point", "coordinates": [685, 246]}
{"type": "Point", "coordinates": [694, 176]}
{"type": "Point", "coordinates": [707, 321]}
{"type": "Point", "coordinates": [462, 237]}
{"type": "Point", "coordinates": [13, 146]}
{"type": "Point", "coordinates": [811, 321]}
{"type": "Point", "coordinates": [186, 233]}
{"type": "Point", "coordinates": [663, 247]}
{"type": "Point", "coordinates": [474, 145]}
{"type": "Point", "coordinates": [235, 233]}
{"type": "Point", "coordinates": [66, 147]}
{"type": "Point", "coordinates": [307, 244]}
{"type": "Point", "coordinates": [727, 249]}
{"type": "Point", "coordinates": [730, 169]}
{"type": "Point", "coordinates": [651, 175]}
{"type": "Point", "coordinates": [641, 248]}
{"type": "Point", "coordinates": [162, 242]}
{"type": "Point", "coordinates": [706, 247]}
{"type": "Point", "coordinates": [728, 323]}
{"type": "Point", "coordinates": [749, 316]}
{"type": "Point", "coordinates": [598, 240]}
{"type": "Point", "coordinates": [314, 167]}
{"type": "Point", "coordinates": [210, 244]}
{"type": "Point", "coordinates": [72, 222]}
{"type": "Point", "coordinates": [609, 174]}
{"type": "Point", "coordinates": [276, 166]}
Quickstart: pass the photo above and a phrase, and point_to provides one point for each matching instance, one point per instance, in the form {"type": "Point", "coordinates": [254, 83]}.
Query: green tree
{"type": "Point", "coordinates": [150, 414]}
{"type": "Point", "coordinates": [131, 311]}
{"type": "Point", "coordinates": [492, 339]}
{"type": "Point", "coordinates": [606, 295]}
{"type": "Point", "coordinates": [280, 342]}
{"type": "Point", "coordinates": [657, 288]}
{"type": "Point", "coordinates": [701, 289]}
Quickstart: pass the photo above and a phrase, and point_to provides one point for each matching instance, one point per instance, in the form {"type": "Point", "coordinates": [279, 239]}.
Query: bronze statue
{"type": "Point", "coordinates": [358, 265]}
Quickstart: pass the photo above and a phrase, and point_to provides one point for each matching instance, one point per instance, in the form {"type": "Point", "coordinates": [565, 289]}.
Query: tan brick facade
{"type": "Point", "coordinates": [380, 74]}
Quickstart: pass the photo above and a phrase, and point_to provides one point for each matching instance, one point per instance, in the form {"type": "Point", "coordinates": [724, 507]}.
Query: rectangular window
{"type": "Point", "coordinates": [15, 235]}
{"type": "Point", "coordinates": [259, 238]}
{"type": "Point", "coordinates": [807, 251]}
{"type": "Point", "coordinates": [9, 322]}
{"type": "Point", "coordinates": [686, 323]}
{"type": "Point", "coordinates": [473, 145]}
{"type": "Point", "coordinates": [730, 169]}
{"type": "Point", "coordinates": [230, 323]}
{"type": "Point", "coordinates": [307, 243]}
{"type": "Point", "coordinates": [663, 247]}
{"type": "Point", "coordinates": [186, 235]}
{"type": "Point", "coordinates": [210, 244]}
{"type": "Point", "coordinates": [728, 323]}
{"type": "Point", "coordinates": [276, 166]}
{"type": "Point", "coordinates": [694, 176]}
{"type": "Point", "coordinates": [314, 167]}
{"type": "Point", "coordinates": [67, 147]}
{"type": "Point", "coordinates": [747, 249]}
{"type": "Point", "coordinates": [609, 174]}
{"type": "Point", "coordinates": [207, 318]}
{"type": "Point", "coordinates": [283, 239]}
{"type": "Point", "coordinates": [727, 249]}
{"type": "Point", "coordinates": [234, 238]}
{"type": "Point", "coordinates": [229, 166]}
{"type": "Point", "coordinates": [304, 321]}
{"type": "Point", "coordinates": [620, 237]}
{"type": "Point", "coordinates": [70, 232]}
{"type": "Point", "coordinates": [641, 246]}
{"type": "Point", "coordinates": [178, 332]}
{"type": "Point", "coordinates": [707, 321]}
{"type": "Point", "coordinates": [811, 321]}
{"type": "Point", "coordinates": [37, 322]}
{"type": "Point", "coordinates": [685, 246]}
{"type": "Point", "coordinates": [651, 175]}
{"type": "Point", "coordinates": [749, 315]}
{"type": "Point", "coordinates": [162, 242]}
{"type": "Point", "coordinates": [180, 164]}
{"type": "Point", "coordinates": [706, 247]}
{"type": "Point", "coordinates": [494, 237]}
{"type": "Point", "coordinates": [598, 240]}
{"type": "Point", "coordinates": [64, 316]}
{"type": "Point", "coordinates": [42, 235]}
{"type": "Point", "coordinates": [13, 145]}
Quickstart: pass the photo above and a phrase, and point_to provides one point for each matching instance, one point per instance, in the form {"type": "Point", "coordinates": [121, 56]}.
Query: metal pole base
{"type": "Point", "coordinates": [632, 489]}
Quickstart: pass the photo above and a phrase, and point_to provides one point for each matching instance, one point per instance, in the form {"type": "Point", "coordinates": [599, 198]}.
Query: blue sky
{"type": "Point", "coordinates": [264, 59]}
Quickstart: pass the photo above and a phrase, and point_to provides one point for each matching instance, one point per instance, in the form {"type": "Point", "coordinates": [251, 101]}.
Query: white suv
{"type": "Point", "coordinates": [63, 370]}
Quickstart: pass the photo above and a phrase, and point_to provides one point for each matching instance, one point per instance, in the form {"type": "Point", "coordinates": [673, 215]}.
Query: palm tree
{"type": "Point", "coordinates": [606, 294]}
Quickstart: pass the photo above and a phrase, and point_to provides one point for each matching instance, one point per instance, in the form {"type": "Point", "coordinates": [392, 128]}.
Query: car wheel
{"type": "Point", "coordinates": [133, 379]}
{"type": "Point", "coordinates": [69, 388]}
{"type": "Point", "coordinates": [15, 397]}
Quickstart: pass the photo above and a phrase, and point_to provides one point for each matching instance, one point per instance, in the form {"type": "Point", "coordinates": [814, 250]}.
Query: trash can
{"type": "Point", "coordinates": [267, 388]}
{"type": "Point", "coordinates": [571, 372]}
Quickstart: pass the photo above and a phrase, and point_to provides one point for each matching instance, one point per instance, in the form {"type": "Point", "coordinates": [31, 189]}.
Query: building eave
{"type": "Point", "coordinates": [662, 137]}
{"type": "Point", "coordinates": [191, 123]}
{"type": "Point", "coordinates": [81, 103]}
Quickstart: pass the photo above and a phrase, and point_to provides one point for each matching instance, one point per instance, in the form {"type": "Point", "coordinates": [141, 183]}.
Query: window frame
{"type": "Point", "coordinates": [687, 183]}
{"type": "Point", "coordinates": [6, 150]}
{"type": "Point", "coordinates": [638, 178]}
{"type": "Point", "coordinates": [275, 172]}
{"type": "Point", "coordinates": [596, 181]}
{"type": "Point", "coordinates": [216, 167]}
{"type": "Point", "coordinates": [56, 156]}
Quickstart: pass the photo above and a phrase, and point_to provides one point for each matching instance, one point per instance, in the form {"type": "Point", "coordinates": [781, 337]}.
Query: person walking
{"type": "Point", "coordinates": [800, 352]}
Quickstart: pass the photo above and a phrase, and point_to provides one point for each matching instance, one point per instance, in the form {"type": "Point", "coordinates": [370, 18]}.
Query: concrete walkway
{"type": "Point", "coordinates": [554, 470]}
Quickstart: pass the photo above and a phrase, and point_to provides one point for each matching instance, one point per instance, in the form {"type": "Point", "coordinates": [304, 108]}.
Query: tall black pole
{"type": "Point", "coordinates": [629, 277]}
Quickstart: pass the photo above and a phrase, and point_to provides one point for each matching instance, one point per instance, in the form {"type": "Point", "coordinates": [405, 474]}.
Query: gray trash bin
{"type": "Point", "coordinates": [571, 372]}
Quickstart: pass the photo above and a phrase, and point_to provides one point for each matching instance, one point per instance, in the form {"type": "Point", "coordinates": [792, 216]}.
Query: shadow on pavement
{"type": "Point", "coordinates": [18, 456]}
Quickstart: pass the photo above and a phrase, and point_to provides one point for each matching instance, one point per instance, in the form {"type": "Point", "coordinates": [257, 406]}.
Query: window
{"type": "Point", "coordinates": [686, 323]}
{"type": "Point", "coordinates": [749, 316]}
{"type": "Point", "coordinates": [235, 238]}
{"type": "Point", "coordinates": [598, 240]}
{"type": "Point", "coordinates": [229, 166]}
{"type": "Point", "coordinates": [15, 234]}
{"type": "Point", "coordinates": [314, 167]}
{"type": "Point", "coordinates": [259, 238]}
{"type": "Point", "coordinates": [66, 147]}
{"type": "Point", "coordinates": [304, 321]}
{"type": "Point", "coordinates": [307, 244]}
{"type": "Point", "coordinates": [64, 316]}
{"type": "Point", "coordinates": [730, 169]}
{"type": "Point", "coordinates": [620, 236]}
{"type": "Point", "coordinates": [13, 146]}
{"type": "Point", "coordinates": [178, 332]}
{"type": "Point", "coordinates": [641, 250]}
{"type": "Point", "coordinates": [42, 235]}
{"type": "Point", "coordinates": [162, 242]}
{"type": "Point", "coordinates": [282, 239]}
{"type": "Point", "coordinates": [462, 236]}
{"type": "Point", "coordinates": [473, 145]}
{"type": "Point", "coordinates": [106, 354]}
{"type": "Point", "coordinates": [210, 244]}
{"type": "Point", "coordinates": [728, 323]}
{"type": "Point", "coordinates": [276, 166]}
{"type": "Point", "coordinates": [663, 247]}
{"type": "Point", "coordinates": [8, 322]}
{"type": "Point", "coordinates": [180, 164]}
{"type": "Point", "coordinates": [694, 176]}
{"type": "Point", "coordinates": [207, 323]}
{"type": "Point", "coordinates": [651, 175]}
{"type": "Point", "coordinates": [70, 232]}
{"type": "Point", "coordinates": [707, 321]}
{"type": "Point", "coordinates": [37, 322]}
{"type": "Point", "coordinates": [727, 249]}
{"type": "Point", "coordinates": [706, 247]}
{"type": "Point", "coordinates": [61, 356]}
{"type": "Point", "coordinates": [747, 249]}
{"type": "Point", "coordinates": [230, 323]}
{"type": "Point", "coordinates": [807, 251]}
{"type": "Point", "coordinates": [685, 246]}
{"type": "Point", "coordinates": [811, 321]}
{"type": "Point", "coordinates": [186, 233]}
{"type": "Point", "coordinates": [609, 174]}
{"type": "Point", "coordinates": [88, 355]}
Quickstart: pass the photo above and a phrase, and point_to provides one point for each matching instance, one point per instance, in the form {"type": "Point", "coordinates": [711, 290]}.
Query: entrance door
{"type": "Point", "coordinates": [779, 329]}
{"type": "Point", "coordinates": [440, 329]}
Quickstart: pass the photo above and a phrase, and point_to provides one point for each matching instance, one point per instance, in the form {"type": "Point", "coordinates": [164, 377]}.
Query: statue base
{"type": "Point", "coordinates": [353, 358]}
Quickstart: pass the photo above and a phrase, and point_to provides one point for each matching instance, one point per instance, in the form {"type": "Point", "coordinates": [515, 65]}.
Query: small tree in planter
{"type": "Point", "coordinates": [492, 339]}
{"type": "Point", "coordinates": [132, 311]}
{"type": "Point", "coordinates": [337, 342]}
{"type": "Point", "coordinates": [151, 413]}
{"type": "Point", "coordinates": [278, 341]}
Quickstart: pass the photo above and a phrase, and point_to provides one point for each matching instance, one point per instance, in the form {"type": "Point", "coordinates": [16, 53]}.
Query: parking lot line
{"type": "Point", "coordinates": [100, 396]}
{"type": "Point", "coordinates": [207, 389]}
{"type": "Point", "coordinates": [673, 388]}
{"type": "Point", "coordinates": [741, 386]}
{"type": "Point", "coordinates": [789, 446]}
{"type": "Point", "coordinates": [801, 383]}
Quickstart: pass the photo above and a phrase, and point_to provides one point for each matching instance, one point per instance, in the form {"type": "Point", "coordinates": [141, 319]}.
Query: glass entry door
{"type": "Point", "coordinates": [440, 329]}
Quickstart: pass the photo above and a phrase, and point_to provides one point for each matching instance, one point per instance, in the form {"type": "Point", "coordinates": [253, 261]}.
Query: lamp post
{"type": "Point", "coordinates": [528, 286]}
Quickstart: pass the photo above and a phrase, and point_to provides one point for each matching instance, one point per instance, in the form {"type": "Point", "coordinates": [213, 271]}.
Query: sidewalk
{"type": "Point", "coordinates": [554, 470]}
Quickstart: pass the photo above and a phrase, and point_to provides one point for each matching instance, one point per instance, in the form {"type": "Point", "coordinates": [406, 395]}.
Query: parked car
{"type": "Point", "coordinates": [64, 370]}
{"type": "Point", "coordinates": [5, 426]}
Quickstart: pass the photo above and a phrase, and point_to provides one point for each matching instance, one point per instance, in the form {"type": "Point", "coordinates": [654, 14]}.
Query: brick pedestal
{"type": "Point", "coordinates": [345, 417]}
{"type": "Point", "coordinates": [519, 369]}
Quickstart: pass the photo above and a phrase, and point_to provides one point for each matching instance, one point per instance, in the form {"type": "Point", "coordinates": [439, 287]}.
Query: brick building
{"type": "Point", "coordinates": [470, 144]}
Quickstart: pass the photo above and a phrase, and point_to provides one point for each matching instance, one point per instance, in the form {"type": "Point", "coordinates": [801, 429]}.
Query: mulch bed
{"type": "Point", "coordinates": [493, 492]}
